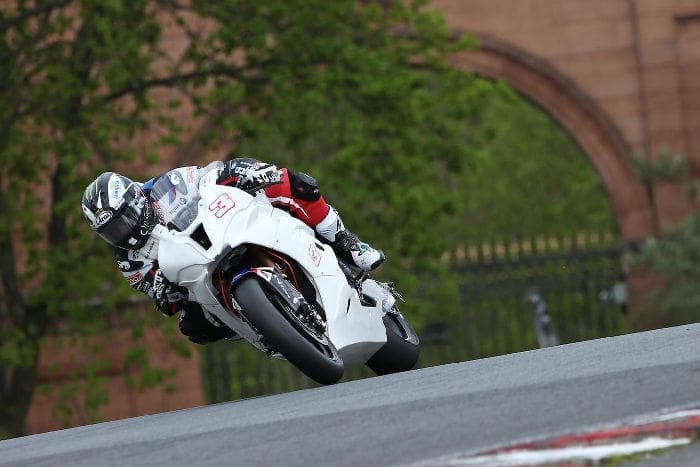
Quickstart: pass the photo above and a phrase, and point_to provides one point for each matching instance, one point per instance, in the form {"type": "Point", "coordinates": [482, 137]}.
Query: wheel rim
{"type": "Point", "coordinates": [319, 341]}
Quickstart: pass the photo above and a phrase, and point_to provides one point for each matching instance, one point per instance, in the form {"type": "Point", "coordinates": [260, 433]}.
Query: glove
{"type": "Point", "coordinates": [169, 297]}
{"type": "Point", "coordinates": [258, 176]}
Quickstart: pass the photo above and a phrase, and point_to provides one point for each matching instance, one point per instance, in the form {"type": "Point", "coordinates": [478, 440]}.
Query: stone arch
{"type": "Point", "coordinates": [579, 114]}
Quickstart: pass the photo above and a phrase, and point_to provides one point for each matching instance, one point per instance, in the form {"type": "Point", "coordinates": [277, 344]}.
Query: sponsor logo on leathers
{"type": "Point", "coordinates": [134, 278]}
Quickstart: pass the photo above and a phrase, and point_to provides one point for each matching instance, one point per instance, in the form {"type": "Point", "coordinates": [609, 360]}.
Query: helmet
{"type": "Point", "coordinates": [118, 210]}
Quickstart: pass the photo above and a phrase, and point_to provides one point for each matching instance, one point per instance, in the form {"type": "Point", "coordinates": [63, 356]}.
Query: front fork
{"type": "Point", "coordinates": [303, 311]}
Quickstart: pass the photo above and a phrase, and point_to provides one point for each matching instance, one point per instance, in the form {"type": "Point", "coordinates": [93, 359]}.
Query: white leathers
{"type": "Point", "coordinates": [330, 225]}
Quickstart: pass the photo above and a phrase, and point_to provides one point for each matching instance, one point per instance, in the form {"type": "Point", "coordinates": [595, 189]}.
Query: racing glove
{"type": "Point", "coordinates": [169, 297]}
{"type": "Point", "coordinates": [249, 174]}
{"type": "Point", "coordinates": [259, 176]}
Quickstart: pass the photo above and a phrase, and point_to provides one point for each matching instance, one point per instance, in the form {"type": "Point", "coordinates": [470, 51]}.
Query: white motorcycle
{"type": "Point", "coordinates": [264, 274]}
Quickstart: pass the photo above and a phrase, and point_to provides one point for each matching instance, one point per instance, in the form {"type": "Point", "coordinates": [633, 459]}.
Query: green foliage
{"type": "Point", "coordinates": [517, 174]}
{"type": "Point", "coordinates": [74, 79]}
{"type": "Point", "coordinates": [670, 254]}
{"type": "Point", "coordinates": [533, 179]}
{"type": "Point", "coordinates": [80, 396]}
{"type": "Point", "coordinates": [378, 118]}
{"type": "Point", "coordinates": [675, 257]}
{"type": "Point", "coordinates": [665, 166]}
{"type": "Point", "coordinates": [146, 376]}
{"type": "Point", "coordinates": [358, 94]}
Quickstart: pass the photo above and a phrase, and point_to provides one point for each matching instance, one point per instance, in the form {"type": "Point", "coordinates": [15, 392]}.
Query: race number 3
{"type": "Point", "coordinates": [221, 205]}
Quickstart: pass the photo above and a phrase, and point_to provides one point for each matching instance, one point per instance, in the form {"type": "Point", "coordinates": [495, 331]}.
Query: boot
{"type": "Point", "coordinates": [346, 245]}
{"type": "Point", "coordinates": [201, 328]}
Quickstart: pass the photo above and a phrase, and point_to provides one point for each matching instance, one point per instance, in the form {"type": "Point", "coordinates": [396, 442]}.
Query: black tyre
{"type": "Point", "coordinates": [314, 355]}
{"type": "Point", "coordinates": [401, 351]}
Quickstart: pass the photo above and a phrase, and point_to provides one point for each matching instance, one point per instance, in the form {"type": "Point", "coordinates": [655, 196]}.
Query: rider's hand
{"type": "Point", "coordinates": [259, 176]}
{"type": "Point", "coordinates": [170, 297]}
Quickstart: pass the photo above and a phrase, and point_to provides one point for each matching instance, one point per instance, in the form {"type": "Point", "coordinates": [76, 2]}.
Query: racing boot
{"type": "Point", "coordinates": [346, 245]}
{"type": "Point", "coordinates": [203, 329]}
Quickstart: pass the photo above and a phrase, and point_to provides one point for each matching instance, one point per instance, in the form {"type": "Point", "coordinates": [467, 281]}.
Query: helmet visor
{"type": "Point", "coordinates": [124, 229]}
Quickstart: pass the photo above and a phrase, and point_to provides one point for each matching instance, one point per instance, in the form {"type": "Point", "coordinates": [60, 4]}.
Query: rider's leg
{"type": "Point", "coordinates": [195, 325]}
{"type": "Point", "coordinates": [299, 194]}
{"type": "Point", "coordinates": [346, 244]}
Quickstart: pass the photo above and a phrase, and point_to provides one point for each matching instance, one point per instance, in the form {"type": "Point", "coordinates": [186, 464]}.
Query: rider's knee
{"type": "Point", "coordinates": [192, 321]}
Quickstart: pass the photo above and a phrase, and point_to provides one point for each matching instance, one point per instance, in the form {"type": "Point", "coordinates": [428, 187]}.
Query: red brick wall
{"type": "Point", "coordinates": [60, 359]}
{"type": "Point", "coordinates": [637, 60]}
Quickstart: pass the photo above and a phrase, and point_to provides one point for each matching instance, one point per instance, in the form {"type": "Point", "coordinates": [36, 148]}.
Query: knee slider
{"type": "Point", "coordinates": [304, 186]}
{"type": "Point", "coordinates": [187, 328]}
{"type": "Point", "coordinates": [192, 321]}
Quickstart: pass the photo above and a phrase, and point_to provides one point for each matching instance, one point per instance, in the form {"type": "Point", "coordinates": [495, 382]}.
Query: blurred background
{"type": "Point", "coordinates": [530, 168]}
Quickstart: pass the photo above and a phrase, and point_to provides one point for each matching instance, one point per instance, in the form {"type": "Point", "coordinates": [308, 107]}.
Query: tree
{"type": "Point", "coordinates": [69, 104]}
{"type": "Point", "coordinates": [532, 180]}
{"type": "Point", "coordinates": [357, 93]}
{"type": "Point", "coordinates": [671, 253]}
{"type": "Point", "coordinates": [673, 259]}
{"type": "Point", "coordinates": [360, 96]}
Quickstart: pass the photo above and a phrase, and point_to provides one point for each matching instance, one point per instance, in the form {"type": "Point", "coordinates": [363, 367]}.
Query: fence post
{"type": "Point", "coordinates": [546, 336]}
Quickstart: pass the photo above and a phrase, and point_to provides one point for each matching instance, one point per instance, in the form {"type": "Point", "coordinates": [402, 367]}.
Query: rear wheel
{"type": "Point", "coordinates": [401, 351]}
{"type": "Point", "coordinates": [304, 347]}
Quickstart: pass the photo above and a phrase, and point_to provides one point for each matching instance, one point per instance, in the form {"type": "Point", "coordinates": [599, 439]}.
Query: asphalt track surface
{"type": "Point", "coordinates": [426, 417]}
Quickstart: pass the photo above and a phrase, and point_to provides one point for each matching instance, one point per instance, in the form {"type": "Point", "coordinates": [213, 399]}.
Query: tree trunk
{"type": "Point", "coordinates": [17, 396]}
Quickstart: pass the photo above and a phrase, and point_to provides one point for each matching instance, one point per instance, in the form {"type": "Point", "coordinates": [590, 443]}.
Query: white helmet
{"type": "Point", "coordinates": [118, 210]}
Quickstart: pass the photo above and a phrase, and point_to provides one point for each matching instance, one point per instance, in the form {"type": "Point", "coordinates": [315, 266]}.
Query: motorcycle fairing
{"type": "Point", "coordinates": [231, 217]}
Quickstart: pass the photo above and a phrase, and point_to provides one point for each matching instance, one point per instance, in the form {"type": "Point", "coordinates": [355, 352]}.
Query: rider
{"type": "Point", "coordinates": [122, 212]}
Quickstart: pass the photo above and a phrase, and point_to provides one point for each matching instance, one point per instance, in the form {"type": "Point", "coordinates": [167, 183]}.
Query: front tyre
{"type": "Point", "coordinates": [314, 355]}
{"type": "Point", "coordinates": [402, 348]}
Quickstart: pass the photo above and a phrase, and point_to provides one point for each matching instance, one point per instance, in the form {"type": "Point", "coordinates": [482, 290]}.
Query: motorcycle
{"type": "Point", "coordinates": [265, 274]}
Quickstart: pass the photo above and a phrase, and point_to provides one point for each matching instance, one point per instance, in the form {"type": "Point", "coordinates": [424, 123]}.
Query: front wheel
{"type": "Point", "coordinates": [313, 354]}
{"type": "Point", "coordinates": [401, 351]}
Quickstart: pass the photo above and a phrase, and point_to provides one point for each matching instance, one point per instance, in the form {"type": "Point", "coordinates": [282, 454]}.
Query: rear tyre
{"type": "Point", "coordinates": [402, 348]}
{"type": "Point", "coordinates": [314, 355]}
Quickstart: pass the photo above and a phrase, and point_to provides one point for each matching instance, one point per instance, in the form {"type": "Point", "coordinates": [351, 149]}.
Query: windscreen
{"type": "Point", "coordinates": [174, 200]}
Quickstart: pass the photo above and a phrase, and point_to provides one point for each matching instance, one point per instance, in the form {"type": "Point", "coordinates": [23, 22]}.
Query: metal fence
{"type": "Point", "coordinates": [515, 296]}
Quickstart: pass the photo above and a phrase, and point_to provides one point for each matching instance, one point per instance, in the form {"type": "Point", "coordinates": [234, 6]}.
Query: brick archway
{"type": "Point", "coordinates": [578, 114]}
